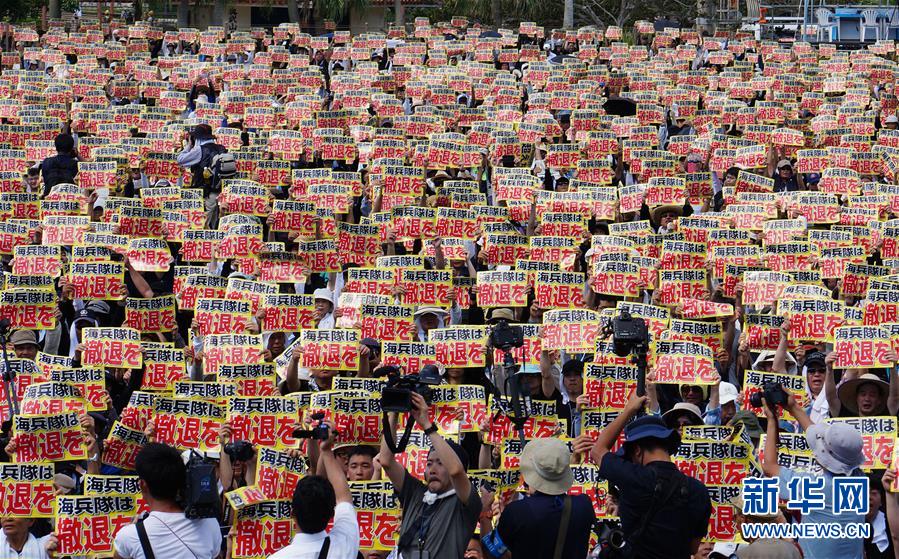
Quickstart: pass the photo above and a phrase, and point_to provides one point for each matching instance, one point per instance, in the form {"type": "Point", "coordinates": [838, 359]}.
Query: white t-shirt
{"type": "Point", "coordinates": [344, 538]}
{"type": "Point", "coordinates": [172, 536]}
{"type": "Point", "coordinates": [33, 549]}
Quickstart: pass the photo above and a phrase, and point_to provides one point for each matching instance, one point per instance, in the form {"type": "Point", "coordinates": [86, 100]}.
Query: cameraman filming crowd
{"type": "Point", "coordinates": [643, 251]}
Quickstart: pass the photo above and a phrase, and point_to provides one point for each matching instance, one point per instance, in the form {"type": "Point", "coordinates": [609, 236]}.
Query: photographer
{"type": "Point", "coordinates": [438, 517]}
{"type": "Point", "coordinates": [664, 514]}
{"type": "Point", "coordinates": [548, 523]}
{"type": "Point", "coordinates": [315, 500]}
{"type": "Point", "coordinates": [169, 534]}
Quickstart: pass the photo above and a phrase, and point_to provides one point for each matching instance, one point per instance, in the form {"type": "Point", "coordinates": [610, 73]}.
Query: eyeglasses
{"type": "Point", "coordinates": [817, 371]}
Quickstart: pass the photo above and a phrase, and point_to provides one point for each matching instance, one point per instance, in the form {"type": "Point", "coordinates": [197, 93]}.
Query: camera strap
{"type": "Point", "coordinates": [144, 540]}
{"type": "Point", "coordinates": [325, 547]}
{"type": "Point", "coordinates": [398, 446]}
{"type": "Point", "coordinates": [563, 528]}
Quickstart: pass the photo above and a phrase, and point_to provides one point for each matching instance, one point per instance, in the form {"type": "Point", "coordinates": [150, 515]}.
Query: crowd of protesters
{"type": "Point", "coordinates": [611, 173]}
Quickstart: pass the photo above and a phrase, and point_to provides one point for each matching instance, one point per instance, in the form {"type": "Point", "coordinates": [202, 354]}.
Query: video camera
{"type": "Point", "coordinates": [628, 334]}
{"type": "Point", "coordinates": [774, 395]}
{"type": "Point", "coordinates": [505, 337]}
{"type": "Point", "coordinates": [317, 433]}
{"type": "Point", "coordinates": [397, 394]}
{"type": "Point", "coordinates": [201, 497]}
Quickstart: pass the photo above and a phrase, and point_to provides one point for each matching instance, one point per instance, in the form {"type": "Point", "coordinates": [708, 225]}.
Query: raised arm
{"type": "Point", "coordinates": [333, 469]}
{"type": "Point", "coordinates": [394, 469]}
{"type": "Point", "coordinates": [609, 435]}
{"type": "Point", "coordinates": [830, 386]}
{"type": "Point", "coordinates": [780, 356]}
{"type": "Point", "coordinates": [769, 464]}
{"type": "Point", "coordinates": [547, 380]}
{"type": "Point", "coordinates": [448, 457]}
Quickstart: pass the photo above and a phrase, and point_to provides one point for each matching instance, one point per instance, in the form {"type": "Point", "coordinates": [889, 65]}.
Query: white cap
{"type": "Point", "coordinates": [892, 119]}
{"type": "Point", "coordinates": [727, 393]}
{"type": "Point", "coordinates": [323, 293]}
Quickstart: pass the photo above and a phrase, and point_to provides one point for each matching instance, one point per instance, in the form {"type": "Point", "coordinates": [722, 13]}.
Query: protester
{"type": "Point", "coordinates": [340, 213]}
{"type": "Point", "coordinates": [62, 167]}
{"type": "Point", "coordinates": [838, 449]}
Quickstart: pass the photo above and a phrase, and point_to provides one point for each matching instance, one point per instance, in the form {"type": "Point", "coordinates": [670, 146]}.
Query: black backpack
{"type": "Point", "coordinates": [199, 179]}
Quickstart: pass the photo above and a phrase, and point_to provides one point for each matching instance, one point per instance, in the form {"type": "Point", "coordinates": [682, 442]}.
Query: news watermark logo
{"type": "Point", "coordinates": [836, 504]}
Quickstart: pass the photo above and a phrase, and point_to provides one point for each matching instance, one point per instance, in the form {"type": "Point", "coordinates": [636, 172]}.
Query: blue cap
{"type": "Point", "coordinates": [650, 427]}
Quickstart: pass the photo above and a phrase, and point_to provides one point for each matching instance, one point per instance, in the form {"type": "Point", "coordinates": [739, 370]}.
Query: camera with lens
{"type": "Point", "coordinates": [397, 394]}
{"type": "Point", "coordinates": [505, 337]}
{"type": "Point", "coordinates": [317, 433]}
{"type": "Point", "coordinates": [612, 543]}
{"type": "Point", "coordinates": [628, 333]}
{"type": "Point", "coordinates": [774, 395]}
{"type": "Point", "coordinates": [239, 451]}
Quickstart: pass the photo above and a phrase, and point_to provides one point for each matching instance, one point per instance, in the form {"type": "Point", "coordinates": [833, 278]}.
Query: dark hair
{"type": "Point", "coordinates": [64, 143]}
{"type": "Point", "coordinates": [573, 367]}
{"type": "Point", "coordinates": [650, 444]}
{"type": "Point", "coordinates": [362, 450]}
{"type": "Point", "coordinates": [161, 468]}
{"type": "Point", "coordinates": [313, 504]}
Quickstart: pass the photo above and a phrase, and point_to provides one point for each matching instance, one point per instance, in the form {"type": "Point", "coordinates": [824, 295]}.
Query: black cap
{"type": "Point", "coordinates": [815, 357]}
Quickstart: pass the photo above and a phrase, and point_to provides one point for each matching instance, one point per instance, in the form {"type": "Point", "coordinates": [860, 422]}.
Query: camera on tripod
{"type": "Point", "coordinates": [396, 396]}
{"type": "Point", "coordinates": [628, 334]}
{"type": "Point", "coordinates": [317, 433]}
{"type": "Point", "coordinates": [505, 337]}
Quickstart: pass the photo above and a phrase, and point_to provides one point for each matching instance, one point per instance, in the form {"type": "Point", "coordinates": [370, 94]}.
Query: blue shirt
{"type": "Point", "coordinates": [820, 548]}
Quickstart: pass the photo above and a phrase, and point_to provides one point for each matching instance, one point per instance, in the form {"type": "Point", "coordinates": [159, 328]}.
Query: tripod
{"type": "Point", "coordinates": [521, 399]}
{"type": "Point", "coordinates": [9, 375]}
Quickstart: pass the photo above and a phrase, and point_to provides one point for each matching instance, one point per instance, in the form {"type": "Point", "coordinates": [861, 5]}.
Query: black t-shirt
{"type": "Point", "coordinates": [529, 527]}
{"type": "Point", "coordinates": [674, 524]}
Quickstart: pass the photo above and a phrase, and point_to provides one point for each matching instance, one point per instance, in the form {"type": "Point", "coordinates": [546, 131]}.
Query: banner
{"type": "Point", "coordinates": [151, 315]}
{"type": "Point", "coordinates": [574, 330]}
{"type": "Point", "coordinates": [861, 347]}
{"type": "Point", "coordinates": [26, 490]}
{"type": "Point", "coordinates": [277, 472]}
{"type": "Point", "coordinates": [112, 347]}
{"type": "Point", "coordinates": [264, 422]}
{"type": "Point", "coordinates": [684, 363]}
{"type": "Point", "coordinates": [330, 349]}
{"type": "Point", "coordinates": [88, 524]}
{"type": "Point", "coordinates": [222, 316]}
{"type": "Point", "coordinates": [53, 438]}
{"type": "Point", "coordinates": [502, 289]}
{"type": "Point", "coordinates": [554, 290]}
{"type": "Point", "coordinates": [261, 529]}
{"type": "Point", "coordinates": [31, 309]}
{"type": "Point", "coordinates": [90, 383]}
{"type": "Point", "coordinates": [460, 346]}
{"type": "Point", "coordinates": [609, 386]}
{"type": "Point", "coordinates": [288, 313]}
{"type": "Point", "coordinates": [387, 322]}
{"type": "Point", "coordinates": [879, 436]}
{"type": "Point", "coordinates": [251, 380]}
{"type": "Point", "coordinates": [755, 380]}
{"type": "Point", "coordinates": [162, 367]}
{"type": "Point", "coordinates": [188, 423]}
